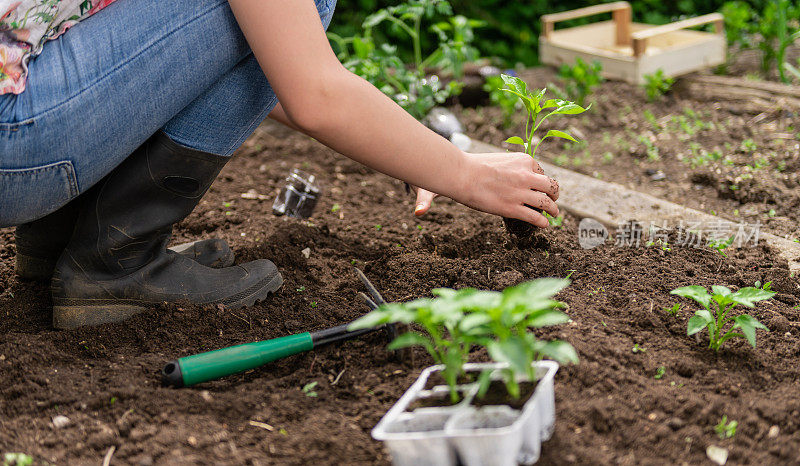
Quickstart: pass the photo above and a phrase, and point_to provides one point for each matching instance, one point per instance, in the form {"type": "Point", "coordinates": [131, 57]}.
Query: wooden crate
{"type": "Point", "coordinates": [628, 50]}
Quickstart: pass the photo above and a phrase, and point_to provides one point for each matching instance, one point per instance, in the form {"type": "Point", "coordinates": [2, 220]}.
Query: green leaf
{"type": "Point", "coordinates": [700, 320]}
{"type": "Point", "coordinates": [748, 324]}
{"type": "Point", "coordinates": [695, 292]}
{"type": "Point", "coordinates": [471, 321]}
{"type": "Point", "coordinates": [513, 351]}
{"type": "Point", "coordinates": [749, 296]}
{"type": "Point", "coordinates": [559, 351]}
{"type": "Point", "coordinates": [547, 317]}
{"type": "Point", "coordinates": [515, 140]}
{"type": "Point", "coordinates": [720, 290]}
{"type": "Point", "coordinates": [410, 339]}
{"type": "Point", "coordinates": [558, 134]}
{"type": "Point", "coordinates": [568, 109]}
{"type": "Point", "coordinates": [371, 320]}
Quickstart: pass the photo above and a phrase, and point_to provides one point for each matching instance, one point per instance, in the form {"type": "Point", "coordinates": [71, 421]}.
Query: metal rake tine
{"type": "Point", "coordinates": [370, 303]}
{"type": "Point", "coordinates": [373, 292]}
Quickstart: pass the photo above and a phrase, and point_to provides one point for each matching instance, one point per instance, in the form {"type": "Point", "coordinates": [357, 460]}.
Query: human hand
{"type": "Point", "coordinates": [507, 184]}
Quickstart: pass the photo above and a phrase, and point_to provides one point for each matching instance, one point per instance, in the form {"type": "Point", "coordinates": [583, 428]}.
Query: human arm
{"type": "Point", "coordinates": [322, 99]}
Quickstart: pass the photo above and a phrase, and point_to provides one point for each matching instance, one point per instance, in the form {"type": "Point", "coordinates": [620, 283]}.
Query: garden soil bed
{"type": "Point", "coordinates": [610, 408]}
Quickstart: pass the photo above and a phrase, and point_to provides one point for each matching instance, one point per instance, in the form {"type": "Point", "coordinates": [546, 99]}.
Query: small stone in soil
{"type": "Point", "coordinates": [60, 421]}
{"type": "Point", "coordinates": [306, 252]}
{"type": "Point", "coordinates": [676, 423]}
{"type": "Point", "coordinates": [773, 432]}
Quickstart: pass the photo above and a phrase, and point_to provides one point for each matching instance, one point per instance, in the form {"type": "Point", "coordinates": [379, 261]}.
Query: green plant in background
{"type": "Point", "coordinates": [456, 320]}
{"type": "Point", "coordinates": [508, 103]}
{"type": "Point", "coordinates": [715, 315]}
{"type": "Point", "coordinates": [580, 79]}
{"type": "Point", "coordinates": [738, 28]}
{"type": "Point", "coordinates": [725, 429]}
{"type": "Point", "coordinates": [535, 105]}
{"type": "Point", "coordinates": [778, 27]}
{"type": "Point", "coordinates": [380, 63]}
{"type": "Point", "coordinates": [657, 84]}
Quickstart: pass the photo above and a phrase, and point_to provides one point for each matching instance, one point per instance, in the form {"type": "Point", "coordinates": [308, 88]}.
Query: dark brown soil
{"type": "Point", "coordinates": [728, 158]}
{"type": "Point", "coordinates": [497, 394]}
{"type": "Point", "coordinates": [610, 408]}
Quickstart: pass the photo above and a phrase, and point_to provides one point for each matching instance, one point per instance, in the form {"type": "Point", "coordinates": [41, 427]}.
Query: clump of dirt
{"type": "Point", "coordinates": [610, 408]}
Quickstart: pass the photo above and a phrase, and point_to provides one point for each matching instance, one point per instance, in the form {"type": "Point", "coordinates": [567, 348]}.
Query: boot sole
{"type": "Point", "coordinates": [71, 313]}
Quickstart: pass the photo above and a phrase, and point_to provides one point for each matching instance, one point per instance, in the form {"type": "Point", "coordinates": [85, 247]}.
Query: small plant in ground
{"type": "Point", "coordinates": [308, 389]}
{"type": "Point", "coordinates": [554, 221]}
{"type": "Point", "coordinates": [580, 79]}
{"type": "Point", "coordinates": [748, 145]}
{"type": "Point", "coordinates": [638, 349]}
{"type": "Point", "coordinates": [456, 320]}
{"type": "Point", "coordinates": [660, 372]}
{"type": "Point", "coordinates": [535, 105]}
{"type": "Point", "coordinates": [726, 429]}
{"type": "Point", "coordinates": [674, 309]}
{"type": "Point", "coordinates": [657, 84]}
{"type": "Point", "coordinates": [17, 459]}
{"type": "Point", "coordinates": [650, 147]}
{"type": "Point", "coordinates": [651, 119]}
{"type": "Point", "coordinates": [720, 245]}
{"type": "Point", "coordinates": [738, 26]}
{"type": "Point", "coordinates": [715, 315]}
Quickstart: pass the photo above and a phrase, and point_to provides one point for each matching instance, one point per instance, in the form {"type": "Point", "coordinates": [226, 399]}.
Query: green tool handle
{"type": "Point", "coordinates": [197, 368]}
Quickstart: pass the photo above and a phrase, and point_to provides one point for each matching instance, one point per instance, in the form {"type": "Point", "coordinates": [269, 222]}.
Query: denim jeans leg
{"type": "Point", "coordinates": [226, 114]}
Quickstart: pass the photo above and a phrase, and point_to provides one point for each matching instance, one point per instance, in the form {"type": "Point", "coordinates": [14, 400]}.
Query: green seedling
{"type": "Point", "coordinates": [456, 320]}
{"type": "Point", "coordinates": [555, 222]}
{"type": "Point", "coordinates": [726, 429]}
{"type": "Point", "coordinates": [308, 389]}
{"type": "Point", "coordinates": [748, 145]}
{"type": "Point", "coordinates": [657, 84]}
{"type": "Point", "coordinates": [766, 287]}
{"type": "Point", "coordinates": [660, 372]}
{"type": "Point", "coordinates": [336, 208]}
{"type": "Point", "coordinates": [313, 304]}
{"type": "Point", "coordinates": [379, 227]}
{"type": "Point", "coordinates": [536, 106]}
{"type": "Point", "coordinates": [651, 119]}
{"type": "Point", "coordinates": [580, 79]}
{"type": "Point", "coordinates": [301, 289]}
{"type": "Point", "coordinates": [674, 309]}
{"type": "Point", "coordinates": [638, 349]}
{"type": "Point", "coordinates": [17, 459]}
{"type": "Point", "coordinates": [715, 315]}
{"type": "Point", "coordinates": [720, 245]}
{"type": "Point", "coordinates": [650, 147]}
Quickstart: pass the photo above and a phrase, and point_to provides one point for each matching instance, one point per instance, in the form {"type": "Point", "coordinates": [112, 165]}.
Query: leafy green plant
{"type": "Point", "coordinates": [535, 105]}
{"type": "Point", "coordinates": [660, 372]}
{"type": "Point", "coordinates": [674, 309]}
{"type": "Point", "coordinates": [778, 28]}
{"type": "Point", "coordinates": [715, 315]}
{"type": "Point", "coordinates": [407, 83]}
{"type": "Point", "coordinates": [738, 28]}
{"type": "Point", "coordinates": [657, 84]}
{"type": "Point", "coordinates": [308, 389]}
{"type": "Point", "coordinates": [555, 222]}
{"type": "Point", "coordinates": [580, 79]}
{"type": "Point", "coordinates": [726, 429]}
{"type": "Point", "coordinates": [456, 320]}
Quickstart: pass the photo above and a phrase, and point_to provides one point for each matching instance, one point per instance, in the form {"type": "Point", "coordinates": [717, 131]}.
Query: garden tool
{"type": "Point", "coordinates": [197, 368]}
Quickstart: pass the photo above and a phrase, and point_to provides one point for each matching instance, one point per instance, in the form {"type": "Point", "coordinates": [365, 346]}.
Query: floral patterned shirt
{"type": "Point", "coordinates": [25, 25]}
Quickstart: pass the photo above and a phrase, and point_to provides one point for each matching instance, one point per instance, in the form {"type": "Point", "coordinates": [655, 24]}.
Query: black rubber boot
{"type": "Point", "coordinates": [41, 242]}
{"type": "Point", "coordinates": [117, 264]}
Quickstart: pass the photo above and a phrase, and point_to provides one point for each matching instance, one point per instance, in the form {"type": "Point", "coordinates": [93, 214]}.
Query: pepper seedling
{"type": "Point", "coordinates": [717, 307]}
{"type": "Point", "coordinates": [456, 320]}
{"type": "Point", "coordinates": [537, 107]}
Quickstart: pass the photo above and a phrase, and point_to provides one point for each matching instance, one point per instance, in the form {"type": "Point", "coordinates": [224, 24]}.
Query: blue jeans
{"type": "Point", "coordinates": [97, 93]}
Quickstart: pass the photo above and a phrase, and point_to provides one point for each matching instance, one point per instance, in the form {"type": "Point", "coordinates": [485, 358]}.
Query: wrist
{"type": "Point", "coordinates": [465, 178]}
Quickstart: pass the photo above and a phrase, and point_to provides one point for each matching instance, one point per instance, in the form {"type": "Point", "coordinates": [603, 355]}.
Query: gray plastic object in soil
{"type": "Point", "coordinates": [467, 434]}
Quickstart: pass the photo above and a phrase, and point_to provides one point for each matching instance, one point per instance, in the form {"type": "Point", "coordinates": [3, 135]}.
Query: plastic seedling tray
{"type": "Point", "coordinates": [474, 436]}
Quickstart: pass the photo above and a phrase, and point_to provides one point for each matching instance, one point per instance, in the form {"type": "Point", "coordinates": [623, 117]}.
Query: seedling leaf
{"type": "Point", "coordinates": [697, 293]}
{"type": "Point", "coordinates": [558, 134]}
{"type": "Point", "coordinates": [700, 320]}
{"type": "Point", "coordinates": [515, 140]}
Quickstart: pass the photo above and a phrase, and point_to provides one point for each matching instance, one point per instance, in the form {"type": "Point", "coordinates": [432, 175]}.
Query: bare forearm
{"type": "Point", "coordinates": [365, 125]}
